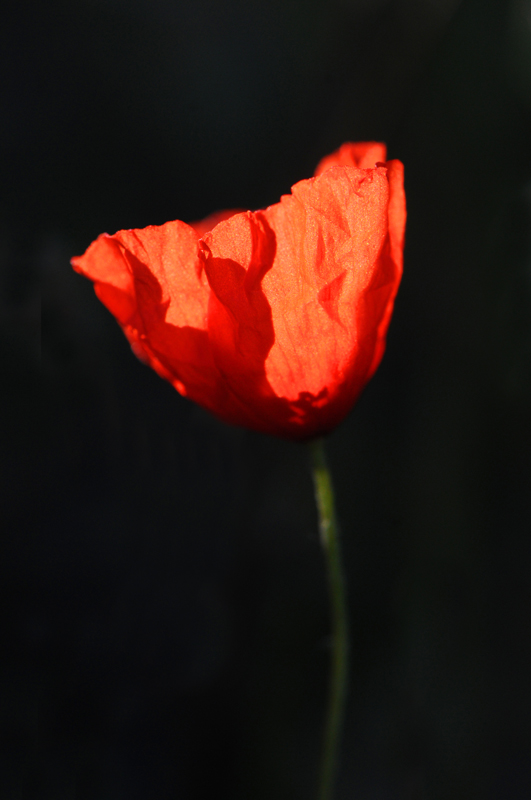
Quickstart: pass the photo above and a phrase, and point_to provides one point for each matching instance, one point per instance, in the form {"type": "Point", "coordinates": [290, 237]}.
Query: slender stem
{"type": "Point", "coordinates": [324, 495]}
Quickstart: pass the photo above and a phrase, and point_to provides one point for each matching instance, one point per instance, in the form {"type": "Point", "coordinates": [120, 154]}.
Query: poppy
{"type": "Point", "coordinates": [273, 319]}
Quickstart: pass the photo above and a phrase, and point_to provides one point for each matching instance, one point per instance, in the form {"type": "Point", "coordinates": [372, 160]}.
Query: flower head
{"type": "Point", "coordinates": [273, 319]}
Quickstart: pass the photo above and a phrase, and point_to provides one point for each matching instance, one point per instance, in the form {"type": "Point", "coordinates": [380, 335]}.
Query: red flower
{"type": "Point", "coordinates": [274, 319]}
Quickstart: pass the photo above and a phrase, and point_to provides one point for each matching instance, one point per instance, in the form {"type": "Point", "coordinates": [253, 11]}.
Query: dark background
{"type": "Point", "coordinates": [164, 610]}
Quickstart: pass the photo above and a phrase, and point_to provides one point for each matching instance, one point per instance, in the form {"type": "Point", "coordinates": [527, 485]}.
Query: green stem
{"type": "Point", "coordinates": [324, 495]}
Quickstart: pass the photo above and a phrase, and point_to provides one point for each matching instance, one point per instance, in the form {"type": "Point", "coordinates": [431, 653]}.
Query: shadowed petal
{"type": "Point", "coordinates": [237, 254]}
{"type": "Point", "coordinates": [151, 280]}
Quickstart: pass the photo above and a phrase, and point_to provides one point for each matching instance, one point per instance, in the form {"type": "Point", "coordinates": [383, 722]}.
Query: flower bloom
{"type": "Point", "coordinates": [273, 319]}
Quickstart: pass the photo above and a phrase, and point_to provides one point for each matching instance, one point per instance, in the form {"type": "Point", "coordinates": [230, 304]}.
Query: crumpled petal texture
{"type": "Point", "coordinates": [274, 319]}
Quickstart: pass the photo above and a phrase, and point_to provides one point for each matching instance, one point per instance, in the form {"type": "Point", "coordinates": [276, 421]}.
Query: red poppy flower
{"type": "Point", "coordinates": [274, 319]}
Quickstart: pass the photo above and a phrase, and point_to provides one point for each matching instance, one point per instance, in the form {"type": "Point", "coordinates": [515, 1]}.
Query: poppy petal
{"type": "Point", "coordinates": [237, 253]}
{"type": "Point", "coordinates": [392, 254]}
{"type": "Point", "coordinates": [329, 233]}
{"type": "Point", "coordinates": [274, 319]}
{"type": "Point", "coordinates": [297, 297]}
{"type": "Point", "coordinates": [205, 225]}
{"type": "Point", "coordinates": [364, 155]}
{"type": "Point", "coordinates": [151, 280]}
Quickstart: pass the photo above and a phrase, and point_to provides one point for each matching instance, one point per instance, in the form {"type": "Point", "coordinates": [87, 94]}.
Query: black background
{"type": "Point", "coordinates": [164, 608]}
